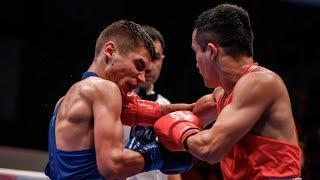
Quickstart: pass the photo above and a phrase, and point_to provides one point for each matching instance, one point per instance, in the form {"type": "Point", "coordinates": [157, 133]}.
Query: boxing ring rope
{"type": "Point", "coordinates": [13, 174]}
{"type": "Point", "coordinates": [22, 164]}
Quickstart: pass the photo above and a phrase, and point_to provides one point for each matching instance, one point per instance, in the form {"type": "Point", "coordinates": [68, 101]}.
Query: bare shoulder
{"type": "Point", "coordinates": [58, 102]}
{"type": "Point", "coordinates": [260, 84]}
{"type": "Point", "coordinates": [263, 77]}
{"type": "Point", "coordinates": [97, 88]}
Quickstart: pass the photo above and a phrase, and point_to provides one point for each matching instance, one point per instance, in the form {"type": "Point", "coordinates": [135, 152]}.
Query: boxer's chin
{"type": "Point", "coordinates": [124, 90]}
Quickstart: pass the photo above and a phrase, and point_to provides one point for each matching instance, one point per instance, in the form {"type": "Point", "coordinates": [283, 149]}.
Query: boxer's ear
{"type": "Point", "coordinates": [214, 50]}
{"type": "Point", "coordinates": [108, 50]}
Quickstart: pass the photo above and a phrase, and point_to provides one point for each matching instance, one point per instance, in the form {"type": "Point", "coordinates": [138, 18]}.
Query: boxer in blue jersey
{"type": "Point", "coordinates": [85, 131]}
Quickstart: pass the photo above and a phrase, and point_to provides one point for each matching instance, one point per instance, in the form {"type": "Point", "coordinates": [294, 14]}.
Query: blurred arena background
{"type": "Point", "coordinates": [45, 46]}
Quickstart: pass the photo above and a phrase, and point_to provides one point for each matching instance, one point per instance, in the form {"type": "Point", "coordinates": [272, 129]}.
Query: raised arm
{"type": "Point", "coordinates": [251, 96]}
{"type": "Point", "coordinates": [114, 162]}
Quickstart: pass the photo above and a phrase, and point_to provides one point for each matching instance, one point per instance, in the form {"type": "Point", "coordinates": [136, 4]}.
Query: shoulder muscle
{"type": "Point", "coordinates": [255, 88]}
{"type": "Point", "coordinates": [100, 91]}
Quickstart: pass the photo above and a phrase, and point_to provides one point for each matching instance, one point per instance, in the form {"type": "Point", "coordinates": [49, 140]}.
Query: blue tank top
{"type": "Point", "coordinates": [70, 164]}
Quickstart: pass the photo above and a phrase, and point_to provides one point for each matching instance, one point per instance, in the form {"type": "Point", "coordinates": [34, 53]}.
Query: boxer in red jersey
{"type": "Point", "coordinates": [254, 135]}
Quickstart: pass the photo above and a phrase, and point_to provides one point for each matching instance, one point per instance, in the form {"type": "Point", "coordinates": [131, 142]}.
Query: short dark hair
{"type": "Point", "coordinates": [127, 35]}
{"type": "Point", "coordinates": [227, 25]}
{"type": "Point", "coordinates": [154, 34]}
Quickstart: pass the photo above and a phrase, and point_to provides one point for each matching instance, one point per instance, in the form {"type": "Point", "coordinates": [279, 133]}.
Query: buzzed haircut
{"type": "Point", "coordinates": [127, 35]}
{"type": "Point", "coordinates": [154, 34]}
{"type": "Point", "coordinates": [227, 25]}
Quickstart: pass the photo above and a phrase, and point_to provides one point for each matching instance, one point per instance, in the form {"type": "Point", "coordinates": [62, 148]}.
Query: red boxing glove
{"type": "Point", "coordinates": [136, 111]}
{"type": "Point", "coordinates": [174, 128]}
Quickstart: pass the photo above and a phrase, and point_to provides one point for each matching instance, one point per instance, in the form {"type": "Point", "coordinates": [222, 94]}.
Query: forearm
{"type": "Point", "coordinates": [168, 108]}
{"type": "Point", "coordinates": [123, 165]}
{"type": "Point", "coordinates": [207, 146]}
{"type": "Point", "coordinates": [132, 163]}
{"type": "Point", "coordinates": [143, 112]}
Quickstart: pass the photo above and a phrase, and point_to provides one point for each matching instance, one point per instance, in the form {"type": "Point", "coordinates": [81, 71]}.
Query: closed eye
{"type": "Point", "coordinates": [157, 56]}
{"type": "Point", "coordinates": [140, 65]}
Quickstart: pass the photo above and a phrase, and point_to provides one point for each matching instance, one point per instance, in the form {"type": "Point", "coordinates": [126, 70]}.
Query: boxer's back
{"type": "Point", "coordinates": [276, 121]}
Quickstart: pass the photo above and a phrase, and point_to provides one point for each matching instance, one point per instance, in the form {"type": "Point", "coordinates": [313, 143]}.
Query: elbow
{"type": "Point", "coordinates": [110, 170]}
{"type": "Point", "coordinates": [213, 155]}
{"type": "Point", "coordinates": [120, 164]}
{"type": "Point", "coordinates": [216, 150]}
{"type": "Point", "coordinates": [206, 155]}
{"type": "Point", "coordinates": [217, 157]}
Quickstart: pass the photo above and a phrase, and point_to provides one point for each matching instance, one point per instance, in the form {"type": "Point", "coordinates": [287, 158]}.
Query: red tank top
{"type": "Point", "coordinates": [257, 157]}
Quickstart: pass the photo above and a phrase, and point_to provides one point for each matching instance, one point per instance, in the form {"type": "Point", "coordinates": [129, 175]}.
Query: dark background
{"type": "Point", "coordinates": [46, 45]}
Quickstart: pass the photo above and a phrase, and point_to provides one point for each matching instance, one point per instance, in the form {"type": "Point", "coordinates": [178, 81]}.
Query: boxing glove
{"type": "Point", "coordinates": [136, 111]}
{"type": "Point", "coordinates": [143, 140]}
{"type": "Point", "coordinates": [144, 134]}
{"type": "Point", "coordinates": [174, 128]}
{"type": "Point", "coordinates": [156, 157]}
{"type": "Point", "coordinates": [140, 135]}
